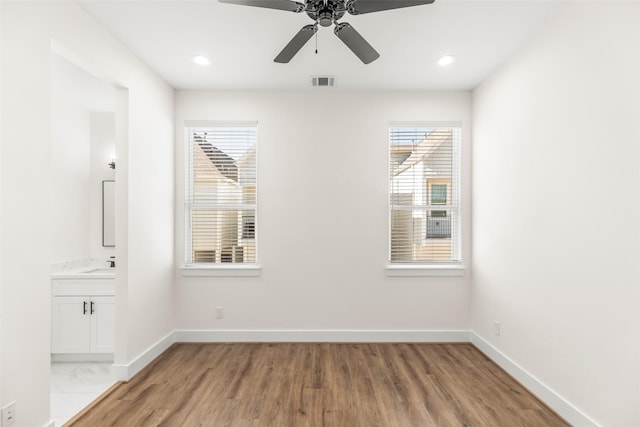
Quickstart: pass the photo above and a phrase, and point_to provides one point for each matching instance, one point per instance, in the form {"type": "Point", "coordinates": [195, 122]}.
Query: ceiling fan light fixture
{"type": "Point", "coordinates": [446, 60]}
{"type": "Point", "coordinates": [325, 19]}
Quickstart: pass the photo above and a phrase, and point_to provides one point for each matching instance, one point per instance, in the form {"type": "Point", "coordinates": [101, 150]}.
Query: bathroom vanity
{"type": "Point", "coordinates": [83, 311]}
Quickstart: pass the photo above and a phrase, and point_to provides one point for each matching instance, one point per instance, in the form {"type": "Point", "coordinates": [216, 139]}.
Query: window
{"type": "Point", "coordinates": [220, 205]}
{"type": "Point", "coordinates": [439, 194]}
{"type": "Point", "coordinates": [438, 197]}
{"type": "Point", "coordinates": [424, 199]}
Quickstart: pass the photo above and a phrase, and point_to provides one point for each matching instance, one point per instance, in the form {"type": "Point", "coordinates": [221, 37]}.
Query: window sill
{"type": "Point", "coordinates": [408, 270]}
{"type": "Point", "coordinates": [221, 271]}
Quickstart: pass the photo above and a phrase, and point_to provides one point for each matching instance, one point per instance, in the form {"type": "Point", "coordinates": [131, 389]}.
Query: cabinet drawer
{"type": "Point", "coordinates": [82, 287]}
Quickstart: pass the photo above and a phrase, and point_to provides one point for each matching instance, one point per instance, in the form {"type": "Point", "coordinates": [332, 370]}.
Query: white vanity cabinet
{"type": "Point", "coordinates": [83, 316]}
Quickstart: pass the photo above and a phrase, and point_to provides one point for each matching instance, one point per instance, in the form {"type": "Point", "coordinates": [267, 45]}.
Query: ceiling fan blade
{"type": "Point", "coordinates": [359, 7]}
{"type": "Point", "coordinates": [291, 6]}
{"type": "Point", "coordinates": [296, 43]}
{"type": "Point", "coordinates": [356, 43]}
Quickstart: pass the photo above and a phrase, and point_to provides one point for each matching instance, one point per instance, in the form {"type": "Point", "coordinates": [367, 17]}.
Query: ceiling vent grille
{"type": "Point", "coordinates": [322, 81]}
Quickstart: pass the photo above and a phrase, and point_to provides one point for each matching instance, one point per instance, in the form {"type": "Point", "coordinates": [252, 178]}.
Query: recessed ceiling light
{"type": "Point", "coordinates": [200, 60]}
{"type": "Point", "coordinates": [446, 60]}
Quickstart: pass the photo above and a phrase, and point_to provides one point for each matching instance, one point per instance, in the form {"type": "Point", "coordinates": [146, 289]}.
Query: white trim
{"type": "Point", "coordinates": [222, 271]}
{"type": "Point", "coordinates": [51, 423]}
{"type": "Point", "coordinates": [408, 270]}
{"type": "Point", "coordinates": [426, 124]}
{"type": "Point", "coordinates": [320, 336]}
{"type": "Point", "coordinates": [566, 410]}
{"type": "Point", "coordinates": [127, 371]}
{"type": "Point", "coordinates": [220, 123]}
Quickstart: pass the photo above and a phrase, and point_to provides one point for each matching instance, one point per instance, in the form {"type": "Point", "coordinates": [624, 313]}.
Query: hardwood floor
{"type": "Point", "coordinates": [300, 384]}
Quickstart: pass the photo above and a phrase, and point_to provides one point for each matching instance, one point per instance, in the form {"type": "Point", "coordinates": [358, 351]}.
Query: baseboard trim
{"type": "Point", "coordinates": [320, 336]}
{"type": "Point", "coordinates": [566, 410]}
{"type": "Point", "coordinates": [120, 372]}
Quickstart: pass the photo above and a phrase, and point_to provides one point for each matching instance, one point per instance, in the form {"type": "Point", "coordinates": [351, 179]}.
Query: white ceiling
{"type": "Point", "coordinates": [242, 41]}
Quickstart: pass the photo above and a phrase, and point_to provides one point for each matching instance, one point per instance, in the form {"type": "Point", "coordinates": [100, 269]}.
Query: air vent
{"type": "Point", "coordinates": [322, 80]}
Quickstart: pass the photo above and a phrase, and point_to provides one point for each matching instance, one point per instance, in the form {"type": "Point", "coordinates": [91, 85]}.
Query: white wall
{"type": "Point", "coordinates": [82, 142]}
{"type": "Point", "coordinates": [26, 232]}
{"type": "Point", "coordinates": [1, 249]}
{"type": "Point", "coordinates": [145, 209]}
{"type": "Point", "coordinates": [103, 147]}
{"type": "Point", "coordinates": [70, 177]}
{"type": "Point", "coordinates": [556, 208]}
{"type": "Point", "coordinates": [322, 216]}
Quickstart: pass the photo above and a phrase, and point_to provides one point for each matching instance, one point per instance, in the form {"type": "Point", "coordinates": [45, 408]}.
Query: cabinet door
{"type": "Point", "coordinates": [103, 324]}
{"type": "Point", "coordinates": [71, 325]}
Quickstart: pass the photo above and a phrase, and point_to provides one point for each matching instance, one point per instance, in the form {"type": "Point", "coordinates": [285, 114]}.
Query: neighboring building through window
{"type": "Point", "coordinates": [424, 186]}
{"type": "Point", "coordinates": [220, 205]}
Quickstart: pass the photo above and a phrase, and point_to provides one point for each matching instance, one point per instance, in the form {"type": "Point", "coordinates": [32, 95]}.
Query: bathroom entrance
{"type": "Point", "coordinates": [84, 111]}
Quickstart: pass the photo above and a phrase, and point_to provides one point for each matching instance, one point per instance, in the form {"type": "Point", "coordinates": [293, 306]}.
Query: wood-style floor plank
{"type": "Point", "coordinates": [320, 384]}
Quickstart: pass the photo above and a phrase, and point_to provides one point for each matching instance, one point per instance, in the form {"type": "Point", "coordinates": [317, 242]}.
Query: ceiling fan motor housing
{"type": "Point", "coordinates": [325, 13]}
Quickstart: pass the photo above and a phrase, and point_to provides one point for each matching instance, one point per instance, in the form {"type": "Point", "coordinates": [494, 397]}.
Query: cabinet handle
{"type": "Point", "coordinates": [91, 307]}
{"type": "Point", "coordinates": [84, 307]}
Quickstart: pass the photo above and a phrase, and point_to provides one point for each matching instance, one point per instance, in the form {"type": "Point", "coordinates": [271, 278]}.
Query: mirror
{"type": "Point", "coordinates": [108, 214]}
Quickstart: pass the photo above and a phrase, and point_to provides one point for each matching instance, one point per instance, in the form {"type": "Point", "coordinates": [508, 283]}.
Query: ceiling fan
{"type": "Point", "coordinates": [326, 13]}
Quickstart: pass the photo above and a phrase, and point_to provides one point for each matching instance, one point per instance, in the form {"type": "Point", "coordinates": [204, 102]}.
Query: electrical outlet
{"type": "Point", "coordinates": [496, 327]}
{"type": "Point", "coordinates": [9, 414]}
{"type": "Point", "coordinates": [219, 312]}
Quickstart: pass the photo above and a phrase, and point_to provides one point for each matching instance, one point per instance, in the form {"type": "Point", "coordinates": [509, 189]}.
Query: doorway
{"type": "Point", "coordinates": [83, 157]}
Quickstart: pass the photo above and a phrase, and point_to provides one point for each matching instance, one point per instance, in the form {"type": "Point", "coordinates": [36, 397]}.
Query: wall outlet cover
{"type": "Point", "coordinates": [9, 414]}
{"type": "Point", "coordinates": [496, 328]}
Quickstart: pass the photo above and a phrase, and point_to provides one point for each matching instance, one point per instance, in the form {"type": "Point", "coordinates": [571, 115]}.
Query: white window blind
{"type": "Point", "coordinates": [424, 199]}
{"type": "Point", "coordinates": [220, 205]}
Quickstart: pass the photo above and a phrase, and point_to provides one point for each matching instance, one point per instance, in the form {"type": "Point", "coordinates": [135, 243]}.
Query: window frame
{"type": "Point", "coordinates": [431, 268]}
{"type": "Point", "coordinates": [216, 269]}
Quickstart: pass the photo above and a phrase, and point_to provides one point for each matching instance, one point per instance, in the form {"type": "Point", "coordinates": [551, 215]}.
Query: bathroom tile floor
{"type": "Point", "coordinates": [76, 384]}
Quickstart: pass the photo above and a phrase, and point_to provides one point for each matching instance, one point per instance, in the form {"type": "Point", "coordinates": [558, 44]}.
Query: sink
{"type": "Point", "coordinates": [100, 271]}
{"type": "Point", "coordinates": [93, 271]}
